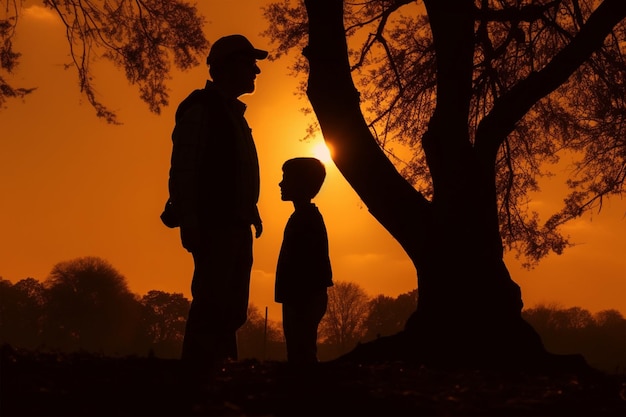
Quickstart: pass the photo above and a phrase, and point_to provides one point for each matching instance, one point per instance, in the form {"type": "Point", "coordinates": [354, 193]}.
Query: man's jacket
{"type": "Point", "coordinates": [214, 172]}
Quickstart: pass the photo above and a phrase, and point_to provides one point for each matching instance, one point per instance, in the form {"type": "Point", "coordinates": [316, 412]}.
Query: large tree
{"type": "Point", "coordinates": [485, 95]}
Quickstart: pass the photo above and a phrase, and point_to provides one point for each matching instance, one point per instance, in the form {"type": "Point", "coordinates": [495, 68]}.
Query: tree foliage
{"type": "Point", "coordinates": [260, 338]}
{"type": "Point", "coordinates": [547, 86]}
{"type": "Point", "coordinates": [142, 38]}
{"type": "Point", "coordinates": [388, 315]}
{"type": "Point", "coordinates": [600, 337]}
{"type": "Point", "coordinates": [163, 321]}
{"type": "Point", "coordinates": [343, 325]}
{"type": "Point", "coordinates": [89, 306]}
{"type": "Point", "coordinates": [21, 312]}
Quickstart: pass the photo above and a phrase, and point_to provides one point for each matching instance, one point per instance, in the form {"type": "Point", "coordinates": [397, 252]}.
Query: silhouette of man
{"type": "Point", "coordinates": [303, 273]}
{"type": "Point", "coordinates": [214, 187]}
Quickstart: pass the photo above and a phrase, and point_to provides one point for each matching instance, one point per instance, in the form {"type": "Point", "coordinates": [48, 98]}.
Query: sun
{"type": "Point", "coordinates": [322, 152]}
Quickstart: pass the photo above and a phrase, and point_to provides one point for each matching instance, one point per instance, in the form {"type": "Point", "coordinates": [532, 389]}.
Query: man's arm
{"type": "Point", "coordinates": [184, 172]}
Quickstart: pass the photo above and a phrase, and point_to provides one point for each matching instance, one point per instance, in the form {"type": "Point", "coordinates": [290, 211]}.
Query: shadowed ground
{"type": "Point", "coordinates": [86, 385]}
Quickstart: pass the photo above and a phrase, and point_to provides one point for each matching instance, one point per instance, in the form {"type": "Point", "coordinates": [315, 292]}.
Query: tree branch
{"type": "Point", "coordinates": [512, 106]}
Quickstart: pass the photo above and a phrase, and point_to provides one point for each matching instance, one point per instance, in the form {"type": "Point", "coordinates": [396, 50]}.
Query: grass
{"type": "Point", "coordinates": [50, 384]}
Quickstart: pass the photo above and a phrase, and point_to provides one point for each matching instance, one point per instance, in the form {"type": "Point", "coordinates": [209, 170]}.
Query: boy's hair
{"type": "Point", "coordinates": [310, 173]}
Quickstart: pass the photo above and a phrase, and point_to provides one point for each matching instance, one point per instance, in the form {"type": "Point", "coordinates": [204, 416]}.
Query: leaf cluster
{"type": "Point", "coordinates": [142, 37]}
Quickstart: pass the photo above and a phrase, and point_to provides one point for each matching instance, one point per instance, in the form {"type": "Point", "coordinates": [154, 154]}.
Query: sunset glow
{"type": "Point", "coordinates": [322, 152]}
{"type": "Point", "coordinates": [75, 186]}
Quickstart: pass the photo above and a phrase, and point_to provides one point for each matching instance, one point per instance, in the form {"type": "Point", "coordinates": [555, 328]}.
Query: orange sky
{"type": "Point", "coordinates": [73, 186]}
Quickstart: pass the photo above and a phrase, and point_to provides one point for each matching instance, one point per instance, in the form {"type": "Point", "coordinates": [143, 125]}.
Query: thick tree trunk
{"type": "Point", "coordinates": [469, 309]}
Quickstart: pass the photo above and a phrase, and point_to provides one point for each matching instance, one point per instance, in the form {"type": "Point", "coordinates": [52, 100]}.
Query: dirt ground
{"type": "Point", "coordinates": [37, 384]}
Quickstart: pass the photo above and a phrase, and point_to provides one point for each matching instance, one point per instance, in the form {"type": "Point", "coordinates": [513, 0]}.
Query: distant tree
{"type": "Point", "coordinates": [574, 318]}
{"type": "Point", "coordinates": [90, 308]}
{"type": "Point", "coordinates": [540, 317]}
{"type": "Point", "coordinates": [606, 349]}
{"type": "Point", "coordinates": [21, 312]}
{"type": "Point", "coordinates": [260, 339]}
{"type": "Point", "coordinates": [600, 338]}
{"type": "Point", "coordinates": [381, 320]}
{"type": "Point", "coordinates": [609, 319]}
{"type": "Point", "coordinates": [554, 317]}
{"type": "Point", "coordinates": [343, 325]}
{"type": "Point", "coordinates": [143, 38]}
{"type": "Point", "coordinates": [443, 115]}
{"type": "Point", "coordinates": [163, 321]}
{"type": "Point", "coordinates": [387, 315]}
{"type": "Point", "coordinates": [8, 308]}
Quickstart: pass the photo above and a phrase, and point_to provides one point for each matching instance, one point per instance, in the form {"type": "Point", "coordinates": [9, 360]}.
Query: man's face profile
{"type": "Point", "coordinates": [242, 70]}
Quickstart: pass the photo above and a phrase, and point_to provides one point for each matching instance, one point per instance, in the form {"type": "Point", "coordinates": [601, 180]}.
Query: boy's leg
{"type": "Point", "coordinates": [300, 323]}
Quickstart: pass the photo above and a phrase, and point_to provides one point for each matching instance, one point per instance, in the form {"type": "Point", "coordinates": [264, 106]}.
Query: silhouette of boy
{"type": "Point", "coordinates": [303, 273]}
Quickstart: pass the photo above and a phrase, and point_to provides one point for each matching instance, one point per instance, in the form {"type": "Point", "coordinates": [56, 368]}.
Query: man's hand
{"type": "Point", "coordinates": [258, 227]}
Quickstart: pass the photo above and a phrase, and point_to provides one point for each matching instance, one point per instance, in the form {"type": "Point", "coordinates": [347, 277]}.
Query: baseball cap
{"type": "Point", "coordinates": [233, 45]}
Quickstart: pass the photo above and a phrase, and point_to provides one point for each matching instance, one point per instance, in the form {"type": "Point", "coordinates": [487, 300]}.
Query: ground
{"type": "Point", "coordinates": [38, 384]}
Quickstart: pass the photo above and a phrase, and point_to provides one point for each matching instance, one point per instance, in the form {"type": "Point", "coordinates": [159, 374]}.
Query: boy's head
{"type": "Point", "coordinates": [302, 178]}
